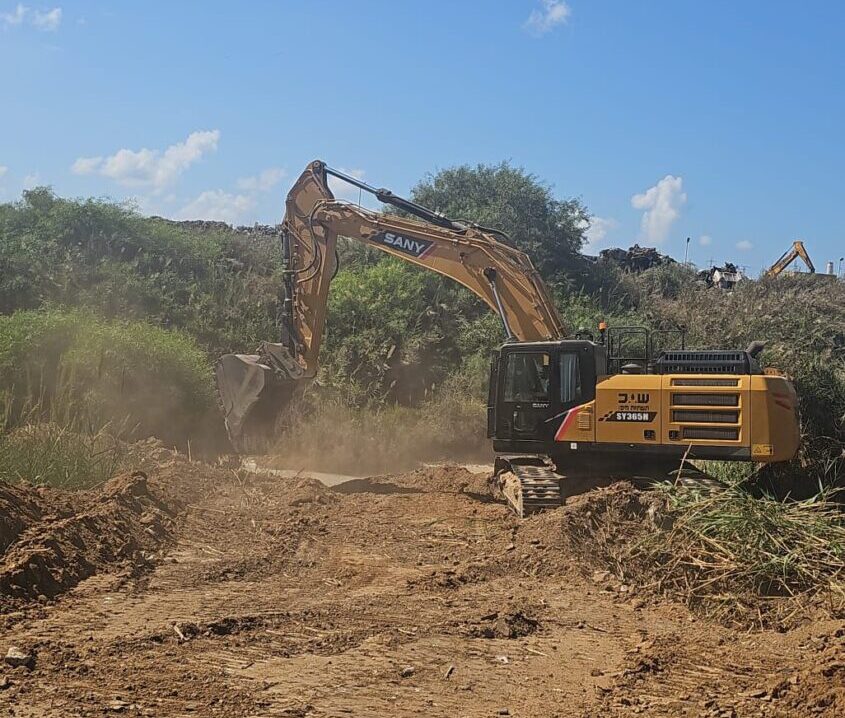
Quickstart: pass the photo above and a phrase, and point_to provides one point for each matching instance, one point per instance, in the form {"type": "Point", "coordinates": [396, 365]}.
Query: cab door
{"type": "Point", "coordinates": [526, 402]}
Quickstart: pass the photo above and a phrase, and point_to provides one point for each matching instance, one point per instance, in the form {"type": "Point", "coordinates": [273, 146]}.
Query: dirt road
{"type": "Point", "coordinates": [243, 595]}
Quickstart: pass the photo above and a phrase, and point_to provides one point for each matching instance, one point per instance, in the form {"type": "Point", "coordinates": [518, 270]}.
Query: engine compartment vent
{"type": "Point", "coordinates": [710, 432]}
{"type": "Point", "coordinates": [705, 400]}
{"type": "Point", "coordinates": [691, 416]}
{"type": "Point", "coordinates": [706, 362]}
{"type": "Point", "coordinates": [705, 382]}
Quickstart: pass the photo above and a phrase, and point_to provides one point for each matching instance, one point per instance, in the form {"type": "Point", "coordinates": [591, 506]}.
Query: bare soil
{"type": "Point", "coordinates": [192, 590]}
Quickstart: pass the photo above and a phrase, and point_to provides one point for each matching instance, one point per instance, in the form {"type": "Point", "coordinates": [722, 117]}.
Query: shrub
{"type": "Point", "coordinates": [735, 555]}
{"type": "Point", "coordinates": [109, 372]}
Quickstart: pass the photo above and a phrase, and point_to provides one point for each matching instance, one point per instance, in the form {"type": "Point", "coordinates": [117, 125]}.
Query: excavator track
{"type": "Point", "coordinates": [528, 484]}
{"type": "Point", "coordinates": [531, 484]}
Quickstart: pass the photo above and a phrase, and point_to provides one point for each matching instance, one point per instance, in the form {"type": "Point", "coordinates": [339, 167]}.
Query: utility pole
{"type": "Point", "coordinates": [686, 252]}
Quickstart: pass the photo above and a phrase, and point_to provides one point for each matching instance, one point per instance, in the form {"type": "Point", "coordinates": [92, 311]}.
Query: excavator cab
{"type": "Point", "coordinates": [533, 385]}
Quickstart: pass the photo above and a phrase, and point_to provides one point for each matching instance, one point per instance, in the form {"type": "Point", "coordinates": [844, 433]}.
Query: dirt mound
{"type": "Point", "coordinates": [309, 491]}
{"type": "Point", "coordinates": [50, 540]}
{"type": "Point", "coordinates": [122, 524]}
{"type": "Point", "coordinates": [20, 507]}
{"type": "Point", "coordinates": [445, 478]}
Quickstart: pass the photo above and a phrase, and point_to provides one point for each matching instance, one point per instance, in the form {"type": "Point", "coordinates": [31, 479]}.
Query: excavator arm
{"type": "Point", "coordinates": [794, 252]}
{"type": "Point", "coordinates": [253, 388]}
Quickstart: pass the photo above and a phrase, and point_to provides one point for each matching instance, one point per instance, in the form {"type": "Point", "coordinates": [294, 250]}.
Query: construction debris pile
{"type": "Point", "coordinates": [636, 259]}
{"type": "Point", "coordinates": [726, 277]}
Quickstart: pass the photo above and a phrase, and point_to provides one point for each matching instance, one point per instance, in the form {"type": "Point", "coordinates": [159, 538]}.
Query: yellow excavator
{"type": "Point", "coordinates": [788, 257]}
{"type": "Point", "coordinates": [616, 402]}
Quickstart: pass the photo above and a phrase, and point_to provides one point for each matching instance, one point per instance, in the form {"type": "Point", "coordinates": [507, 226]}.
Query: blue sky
{"type": "Point", "coordinates": [720, 121]}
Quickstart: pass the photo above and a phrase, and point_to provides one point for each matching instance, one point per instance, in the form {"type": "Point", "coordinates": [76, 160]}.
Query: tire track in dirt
{"type": "Point", "coordinates": [403, 595]}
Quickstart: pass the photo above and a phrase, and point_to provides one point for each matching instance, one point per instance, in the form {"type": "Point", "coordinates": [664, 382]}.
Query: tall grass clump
{"type": "Point", "coordinates": [47, 454]}
{"type": "Point", "coordinates": [83, 372]}
{"type": "Point", "coordinates": [744, 558]}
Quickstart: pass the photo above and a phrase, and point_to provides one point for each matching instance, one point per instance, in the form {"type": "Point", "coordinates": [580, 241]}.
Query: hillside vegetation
{"type": "Point", "coordinates": [118, 318]}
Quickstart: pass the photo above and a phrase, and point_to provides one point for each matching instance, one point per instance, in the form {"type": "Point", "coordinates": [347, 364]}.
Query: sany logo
{"type": "Point", "coordinates": [406, 245]}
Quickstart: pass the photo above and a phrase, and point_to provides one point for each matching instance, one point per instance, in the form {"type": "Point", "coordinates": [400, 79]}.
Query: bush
{"type": "Point", "coordinates": [102, 372]}
{"type": "Point", "coordinates": [213, 282]}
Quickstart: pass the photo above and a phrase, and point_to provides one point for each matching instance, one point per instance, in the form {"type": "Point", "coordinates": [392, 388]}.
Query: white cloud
{"type": "Point", "coordinates": [48, 21]}
{"type": "Point", "coordinates": [705, 240]}
{"type": "Point", "coordinates": [10, 19]}
{"type": "Point", "coordinates": [596, 232]}
{"type": "Point", "coordinates": [662, 204]}
{"type": "Point", "coordinates": [44, 20]}
{"type": "Point", "coordinates": [263, 181]}
{"type": "Point", "coordinates": [3, 170]}
{"type": "Point", "coordinates": [86, 165]}
{"type": "Point", "coordinates": [150, 168]}
{"type": "Point", "coordinates": [549, 15]}
{"type": "Point", "coordinates": [218, 205]}
{"type": "Point", "coordinates": [31, 180]}
{"type": "Point", "coordinates": [744, 245]}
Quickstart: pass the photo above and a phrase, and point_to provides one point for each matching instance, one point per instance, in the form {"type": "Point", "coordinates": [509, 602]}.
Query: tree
{"type": "Point", "coordinates": [549, 230]}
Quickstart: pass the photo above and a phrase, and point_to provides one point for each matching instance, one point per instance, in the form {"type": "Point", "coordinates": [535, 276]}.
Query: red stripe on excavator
{"type": "Point", "coordinates": [567, 421]}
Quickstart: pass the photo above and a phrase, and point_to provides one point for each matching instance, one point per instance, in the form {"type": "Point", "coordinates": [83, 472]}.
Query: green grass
{"type": "Point", "coordinates": [55, 443]}
{"type": "Point", "coordinates": [51, 455]}
{"type": "Point", "coordinates": [742, 558]}
{"type": "Point", "coordinates": [128, 373]}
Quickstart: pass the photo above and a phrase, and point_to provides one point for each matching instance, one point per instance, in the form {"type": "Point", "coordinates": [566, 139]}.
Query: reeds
{"type": "Point", "coordinates": [48, 439]}
{"type": "Point", "coordinates": [738, 556]}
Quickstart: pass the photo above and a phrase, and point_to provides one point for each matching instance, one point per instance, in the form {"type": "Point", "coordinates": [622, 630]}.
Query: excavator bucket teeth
{"type": "Point", "coordinates": [251, 396]}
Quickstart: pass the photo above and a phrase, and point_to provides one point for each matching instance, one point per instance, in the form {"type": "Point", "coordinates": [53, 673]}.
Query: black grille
{"type": "Point", "coordinates": [706, 417]}
{"type": "Point", "coordinates": [705, 382]}
{"type": "Point", "coordinates": [709, 432]}
{"type": "Point", "coordinates": [703, 362]}
{"type": "Point", "coordinates": [705, 399]}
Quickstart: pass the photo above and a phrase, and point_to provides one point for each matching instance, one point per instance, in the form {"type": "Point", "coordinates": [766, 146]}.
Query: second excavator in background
{"type": "Point", "coordinates": [796, 251]}
{"type": "Point", "coordinates": [621, 402]}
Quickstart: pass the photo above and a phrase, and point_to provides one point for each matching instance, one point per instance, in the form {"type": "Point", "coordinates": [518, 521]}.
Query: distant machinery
{"type": "Point", "coordinates": [726, 277]}
{"type": "Point", "coordinates": [796, 251]}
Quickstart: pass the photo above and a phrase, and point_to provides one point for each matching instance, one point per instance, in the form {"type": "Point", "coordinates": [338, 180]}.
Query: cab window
{"type": "Point", "coordinates": [527, 377]}
{"type": "Point", "coordinates": [570, 379]}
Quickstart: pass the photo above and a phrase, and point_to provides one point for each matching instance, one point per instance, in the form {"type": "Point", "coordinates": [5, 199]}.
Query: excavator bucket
{"type": "Point", "coordinates": [253, 389]}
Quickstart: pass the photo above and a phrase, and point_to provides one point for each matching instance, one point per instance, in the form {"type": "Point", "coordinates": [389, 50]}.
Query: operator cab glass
{"type": "Point", "coordinates": [533, 385]}
{"type": "Point", "coordinates": [527, 377]}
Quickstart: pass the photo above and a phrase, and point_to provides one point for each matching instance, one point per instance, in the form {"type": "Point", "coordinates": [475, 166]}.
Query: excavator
{"type": "Point", "coordinates": [788, 257]}
{"type": "Point", "coordinates": [560, 407]}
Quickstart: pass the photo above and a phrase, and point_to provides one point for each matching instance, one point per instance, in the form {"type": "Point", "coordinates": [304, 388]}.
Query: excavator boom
{"type": "Point", "coordinates": [258, 385]}
{"type": "Point", "coordinates": [788, 257]}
